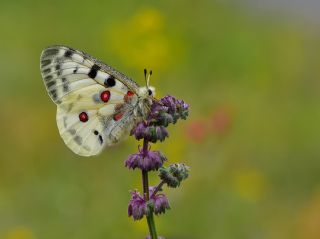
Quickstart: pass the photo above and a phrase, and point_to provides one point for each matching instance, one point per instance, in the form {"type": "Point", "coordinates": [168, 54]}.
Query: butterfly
{"type": "Point", "coordinates": [97, 106]}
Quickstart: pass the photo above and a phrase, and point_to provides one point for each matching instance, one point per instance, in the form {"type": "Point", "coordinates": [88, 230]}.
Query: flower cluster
{"type": "Point", "coordinates": [163, 112]}
{"type": "Point", "coordinates": [139, 206]}
{"type": "Point", "coordinates": [149, 160]}
{"type": "Point", "coordinates": [152, 133]}
{"type": "Point", "coordinates": [174, 174]}
{"type": "Point", "coordinates": [177, 109]}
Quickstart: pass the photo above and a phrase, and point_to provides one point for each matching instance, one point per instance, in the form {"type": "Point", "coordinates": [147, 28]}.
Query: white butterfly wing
{"type": "Point", "coordinates": [94, 102]}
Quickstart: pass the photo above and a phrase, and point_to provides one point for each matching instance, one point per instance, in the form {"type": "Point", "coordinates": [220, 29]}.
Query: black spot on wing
{"type": "Point", "coordinates": [72, 131]}
{"type": "Point", "coordinates": [93, 71]}
{"type": "Point", "coordinates": [75, 70]}
{"type": "Point", "coordinates": [78, 139]}
{"type": "Point", "coordinates": [50, 52]}
{"type": "Point", "coordinates": [48, 78]}
{"type": "Point", "coordinates": [46, 71]}
{"type": "Point", "coordinates": [53, 94]}
{"type": "Point", "coordinates": [50, 83]}
{"type": "Point", "coordinates": [65, 85]}
{"type": "Point", "coordinates": [45, 62]}
{"type": "Point", "coordinates": [110, 81]}
{"type": "Point", "coordinates": [58, 67]}
{"type": "Point", "coordinates": [96, 132]}
{"type": "Point", "coordinates": [68, 53]}
{"type": "Point", "coordinates": [100, 139]}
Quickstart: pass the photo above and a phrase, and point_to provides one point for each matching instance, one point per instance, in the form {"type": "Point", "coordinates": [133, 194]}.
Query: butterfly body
{"type": "Point", "coordinates": [97, 106]}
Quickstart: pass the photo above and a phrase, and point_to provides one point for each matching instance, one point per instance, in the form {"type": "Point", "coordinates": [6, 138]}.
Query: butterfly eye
{"type": "Point", "coordinates": [149, 92]}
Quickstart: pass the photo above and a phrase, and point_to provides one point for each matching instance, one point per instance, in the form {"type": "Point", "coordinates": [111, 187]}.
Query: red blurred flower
{"type": "Point", "coordinates": [197, 130]}
{"type": "Point", "coordinates": [221, 120]}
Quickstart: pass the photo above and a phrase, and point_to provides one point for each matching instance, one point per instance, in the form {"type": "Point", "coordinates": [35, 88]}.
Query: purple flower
{"type": "Point", "coordinates": [159, 115]}
{"type": "Point", "coordinates": [139, 131]}
{"type": "Point", "coordinates": [158, 133]}
{"type": "Point", "coordinates": [150, 160]}
{"type": "Point", "coordinates": [137, 206]}
{"type": "Point", "coordinates": [160, 203]}
{"type": "Point", "coordinates": [151, 133]}
{"type": "Point", "coordinates": [168, 110]}
{"type": "Point", "coordinates": [176, 108]}
{"type": "Point", "coordinates": [163, 112]}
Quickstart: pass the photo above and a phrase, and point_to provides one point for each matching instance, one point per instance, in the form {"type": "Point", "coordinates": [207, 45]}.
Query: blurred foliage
{"type": "Point", "coordinates": [252, 139]}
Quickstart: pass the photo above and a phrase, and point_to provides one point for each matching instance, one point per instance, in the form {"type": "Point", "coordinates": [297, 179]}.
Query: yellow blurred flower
{"type": "Point", "coordinates": [309, 219]}
{"type": "Point", "coordinates": [20, 233]}
{"type": "Point", "coordinates": [249, 184]}
{"type": "Point", "coordinates": [142, 41]}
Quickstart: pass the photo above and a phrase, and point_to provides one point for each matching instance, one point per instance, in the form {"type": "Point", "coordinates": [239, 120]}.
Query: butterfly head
{"type": "Point", "coordinates": [147, 92]}
{"type": "Point", "coordinates": [146, 96]}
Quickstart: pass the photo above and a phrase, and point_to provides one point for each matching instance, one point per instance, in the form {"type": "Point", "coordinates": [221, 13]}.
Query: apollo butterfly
{"type": "Point", "coordinates": [97, 106]}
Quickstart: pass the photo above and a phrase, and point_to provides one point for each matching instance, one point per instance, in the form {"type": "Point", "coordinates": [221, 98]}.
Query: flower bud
{"type": "Point", "coordinates": [174, 174]}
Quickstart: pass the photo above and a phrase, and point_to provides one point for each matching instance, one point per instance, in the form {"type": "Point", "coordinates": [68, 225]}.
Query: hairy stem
{"type": "Point", "coordinates": [158, 188]}
{"type": "Point", "coordinates": [145, 182]}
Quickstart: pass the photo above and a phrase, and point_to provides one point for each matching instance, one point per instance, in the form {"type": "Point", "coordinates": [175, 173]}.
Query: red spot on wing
{"type": "Point", "coordinates": [130, 93]}
{"type": "Point", "coordinates": [127, 96]}
{"type": "Point", "coordinates": [83, 117]}
{"type": "Point", "coordinates": [118, 116]}
{"type": "Point", "coordinates": [105, 96]}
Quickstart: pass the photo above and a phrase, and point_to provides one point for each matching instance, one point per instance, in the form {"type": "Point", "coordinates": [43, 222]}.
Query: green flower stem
{"type": "Point", "coordinates": [152, 227]}
{"type": "Point", "coordinates": [145, 182]}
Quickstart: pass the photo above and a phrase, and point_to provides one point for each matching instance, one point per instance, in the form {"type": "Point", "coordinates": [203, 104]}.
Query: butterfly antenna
{"type": "Point", "coordinates": [145, 77]}
{"type": "Point", "coordinates": [148, 79]}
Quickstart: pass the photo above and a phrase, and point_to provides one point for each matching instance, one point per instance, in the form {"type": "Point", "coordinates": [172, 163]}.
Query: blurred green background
{"type": "Point", "coordinates": [251, 75]}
